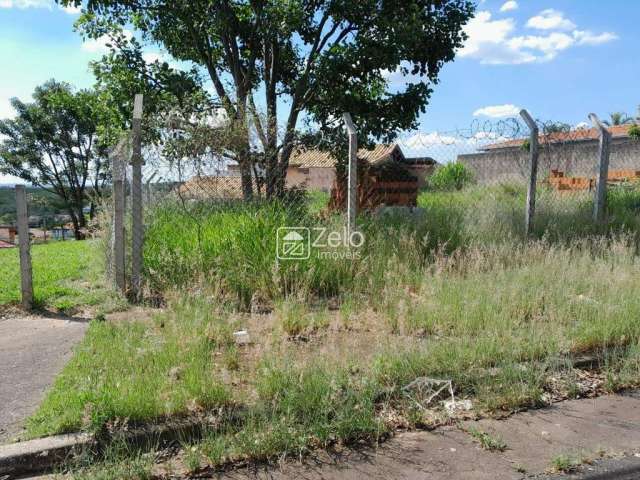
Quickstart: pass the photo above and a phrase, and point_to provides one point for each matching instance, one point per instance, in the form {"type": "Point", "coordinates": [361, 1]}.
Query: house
{"type": "Point", "coordinates": [8, 234]}
{"type": "Point", "coordinates": [4, 244]}
{"type": "Point", "coordinates": [388, 183]}
{"type": "Point", "coordinates": [316, 170]}
{"type": "Point", "coordinates": [218, 187]}
{"type": "Point", "coordinates": [421, 167]}
{"type": "Point", "coordinates": [574, 153]}
{"type": "Point", "coordinates": [309, 169]}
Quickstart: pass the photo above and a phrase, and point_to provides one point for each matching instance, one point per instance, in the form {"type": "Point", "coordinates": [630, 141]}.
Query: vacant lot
{"type": "Point", "coordinates": [65, 275]}
{"type": "Point", "coordinates": [452, 295]}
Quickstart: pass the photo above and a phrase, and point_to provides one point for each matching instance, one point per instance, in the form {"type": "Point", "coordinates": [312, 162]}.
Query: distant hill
{"type": "Point", "coordinates": [41, 203]}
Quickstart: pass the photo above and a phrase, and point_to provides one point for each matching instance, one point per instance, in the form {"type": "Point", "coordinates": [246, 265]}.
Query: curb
{"type": "Point", "coordinates": [44, 454]}
{"type": "Point", "coordinates": [628, 468]}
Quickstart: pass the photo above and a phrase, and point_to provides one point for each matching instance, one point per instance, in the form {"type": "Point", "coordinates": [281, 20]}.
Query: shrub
{"type": "Point", "coordinates": [634, 131]}
{"type": "Point", "coordinates": [452, 176]}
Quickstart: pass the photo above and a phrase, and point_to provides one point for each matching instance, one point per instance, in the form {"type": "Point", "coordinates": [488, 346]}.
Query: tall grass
{"type": "Point", "coordinates": [497, 321]}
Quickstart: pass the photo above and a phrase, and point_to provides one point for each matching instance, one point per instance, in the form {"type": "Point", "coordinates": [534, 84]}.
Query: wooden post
{"type": "Point", "coordinates": [118, 216]}
{"type": "Point", "coordinates": [534, 152]}
{"type": "Point", "coordinates": [352, 195]}
{"type": "Point", "coordinates": [26, 275]}
{"type": "Point", "coordinates": [136, 200]}
{"type": "Point", "coordinates": [599, 207]}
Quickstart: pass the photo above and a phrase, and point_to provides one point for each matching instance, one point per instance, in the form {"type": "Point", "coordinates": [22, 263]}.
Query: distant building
{"type": "Point", "coordinates": [573, 153]}
{"type": "Point", "coordinates": [310, 169]}
{"type": "Point", "coordinates": [8, 234]}
{"type": "Point", "coordinates": [316, 170]}
{"type": "Point", "coordinates": [421, 167]}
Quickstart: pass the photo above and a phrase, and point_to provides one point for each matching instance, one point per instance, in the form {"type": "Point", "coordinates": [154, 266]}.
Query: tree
{"type": "Point", "coordinates": [59, 143]}
{"type": "Point", "coordinates": [289, 58]}
{"type": "Point", "coordinates": [618, 118]}
{"type": "Point", "coordinates": [556, 127]}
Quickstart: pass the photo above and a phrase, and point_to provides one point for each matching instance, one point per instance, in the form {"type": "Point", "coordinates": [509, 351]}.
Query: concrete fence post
{"type": "Point", "coordinates": [352, 196]}
{"type": "Point", "coordinates": [534, 153]}
{"type": "Point", "coordinates": [118, 237]}
{"type": "Point", "coordinates": [137, 232]}
{"type": "Point", "coordinates": [26, 274]}
{"type": "Point", "coordinates": [599, 206]}
{"type": "Point", "coordinates": [148, 187]}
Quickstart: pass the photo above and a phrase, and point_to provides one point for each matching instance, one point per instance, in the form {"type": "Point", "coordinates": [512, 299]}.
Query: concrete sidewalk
{"type": "Point", "coordinates": [582, 429]}
{"type": "Point", "coordinates": [602, 433]}
{"type": "Point", "coordinates": [33, 350]}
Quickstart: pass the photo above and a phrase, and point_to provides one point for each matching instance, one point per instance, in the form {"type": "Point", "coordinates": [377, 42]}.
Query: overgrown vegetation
{"type": "Point", "coordinates": [452, 176]}
{"type": "Point", "coordinates": [497, 322]}
{"type": "Point", "coordinates": [231, 247]}
{"type": "Point", "coordinates": [455, 293]}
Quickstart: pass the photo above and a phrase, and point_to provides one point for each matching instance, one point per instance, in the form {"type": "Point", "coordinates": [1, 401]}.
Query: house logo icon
{"type": "Point", "coordinates": [293, 243]}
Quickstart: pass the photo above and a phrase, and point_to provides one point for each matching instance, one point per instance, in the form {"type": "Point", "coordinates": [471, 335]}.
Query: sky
{"type": "Point", "coordinates": [560, 59]}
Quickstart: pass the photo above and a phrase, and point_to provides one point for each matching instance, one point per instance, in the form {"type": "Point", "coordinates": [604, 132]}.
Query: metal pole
{"type": "Point", "coordinates": [603, 170]}
{"type": "Point", "coordinates": [136, 200]}
{"type": "Point", "coordinates": [534, 152]}
{"type": "Point", "coordinates": [26, 274]}
{"type": "Point", "coordinates": [352, 196]}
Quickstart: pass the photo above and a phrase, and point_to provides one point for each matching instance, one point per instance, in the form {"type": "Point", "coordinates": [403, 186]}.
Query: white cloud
{"type": "Point", "coordinates": [550, 19]}
{"type": "Point", "coordinates": [6, 110]}
{"type": "Point", "coordinates": [589, 38]}
{"type": "Point", "coordinates": [96, 45]}
{"type": "Point", "coordinates": [153, 57]}
{"type": "Point", "coordinates": [48, 4]}
{"type": "Point", "coordinates": [496, 42]}
{"type": "Point", "coordinates": [71, 9]}
{"type": "Point", "coordinates": [497, 111]}
{"type": "Point", "coordinates": [488, 41]}
{"type": "Point", "coordinates": [22, 4]}
{"type": "Point", "coordinates": [99, 45]}
{"type": "Point", "coordinates": [547, 47]}
{"type": "Point", "coordinates": [421, 140]}
{"type": "Point", "coordinates": [509, 6]}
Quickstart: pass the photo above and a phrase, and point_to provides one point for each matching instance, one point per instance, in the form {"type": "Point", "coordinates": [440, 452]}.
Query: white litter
{"type": "Point", "coordinates": [241, 337]}
{"type": "Point", "coordinates": [455, 406]}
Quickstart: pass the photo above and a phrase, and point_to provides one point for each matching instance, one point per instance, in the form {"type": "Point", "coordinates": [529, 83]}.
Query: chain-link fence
{"type": "Point", "coordinates": [477, 182]}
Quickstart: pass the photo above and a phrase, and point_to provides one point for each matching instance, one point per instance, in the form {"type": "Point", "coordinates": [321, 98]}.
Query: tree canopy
{"type": "Point", "coordinates": [287, 58]}
{"type": "Point", "coordinates": [59, 142]}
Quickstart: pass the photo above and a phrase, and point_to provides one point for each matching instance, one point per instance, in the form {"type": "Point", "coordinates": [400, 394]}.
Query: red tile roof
{"type": "Point", "coordinates": [212, 187]}
{"type": "Point", "coordinates": [320, 159]}
{"type": "Point", "coordinates": [581, 135]}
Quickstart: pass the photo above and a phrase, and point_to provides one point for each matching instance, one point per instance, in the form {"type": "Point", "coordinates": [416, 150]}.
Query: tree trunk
{"type": "Point", "coordinates": [76, 225]}
{"type": "Point", "coordinates": [271, 173]}
{"type": "Point", "coordinates": [282, 165]}
{"type": "Point", "coordinates": [246, 179]}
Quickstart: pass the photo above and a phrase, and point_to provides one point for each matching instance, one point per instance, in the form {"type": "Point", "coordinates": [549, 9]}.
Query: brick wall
{"type": "Point", "coordinates": [573, 158]}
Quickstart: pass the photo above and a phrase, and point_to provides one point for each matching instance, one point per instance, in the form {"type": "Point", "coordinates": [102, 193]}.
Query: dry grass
{"type": "Point", "coordinates": [498, 322]}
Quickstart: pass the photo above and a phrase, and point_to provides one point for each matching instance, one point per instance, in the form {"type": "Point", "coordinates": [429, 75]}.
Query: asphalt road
{"type": "Point", "coordinates": [33, 350]}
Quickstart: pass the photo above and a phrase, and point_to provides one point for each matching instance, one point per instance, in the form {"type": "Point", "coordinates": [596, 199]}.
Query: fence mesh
{"type": "Point", "coordinates": [481, 174]}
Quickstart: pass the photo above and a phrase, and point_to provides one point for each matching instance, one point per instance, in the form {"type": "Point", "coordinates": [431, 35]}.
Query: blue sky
{"type": "Point", "coordinates": [561, 59]}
